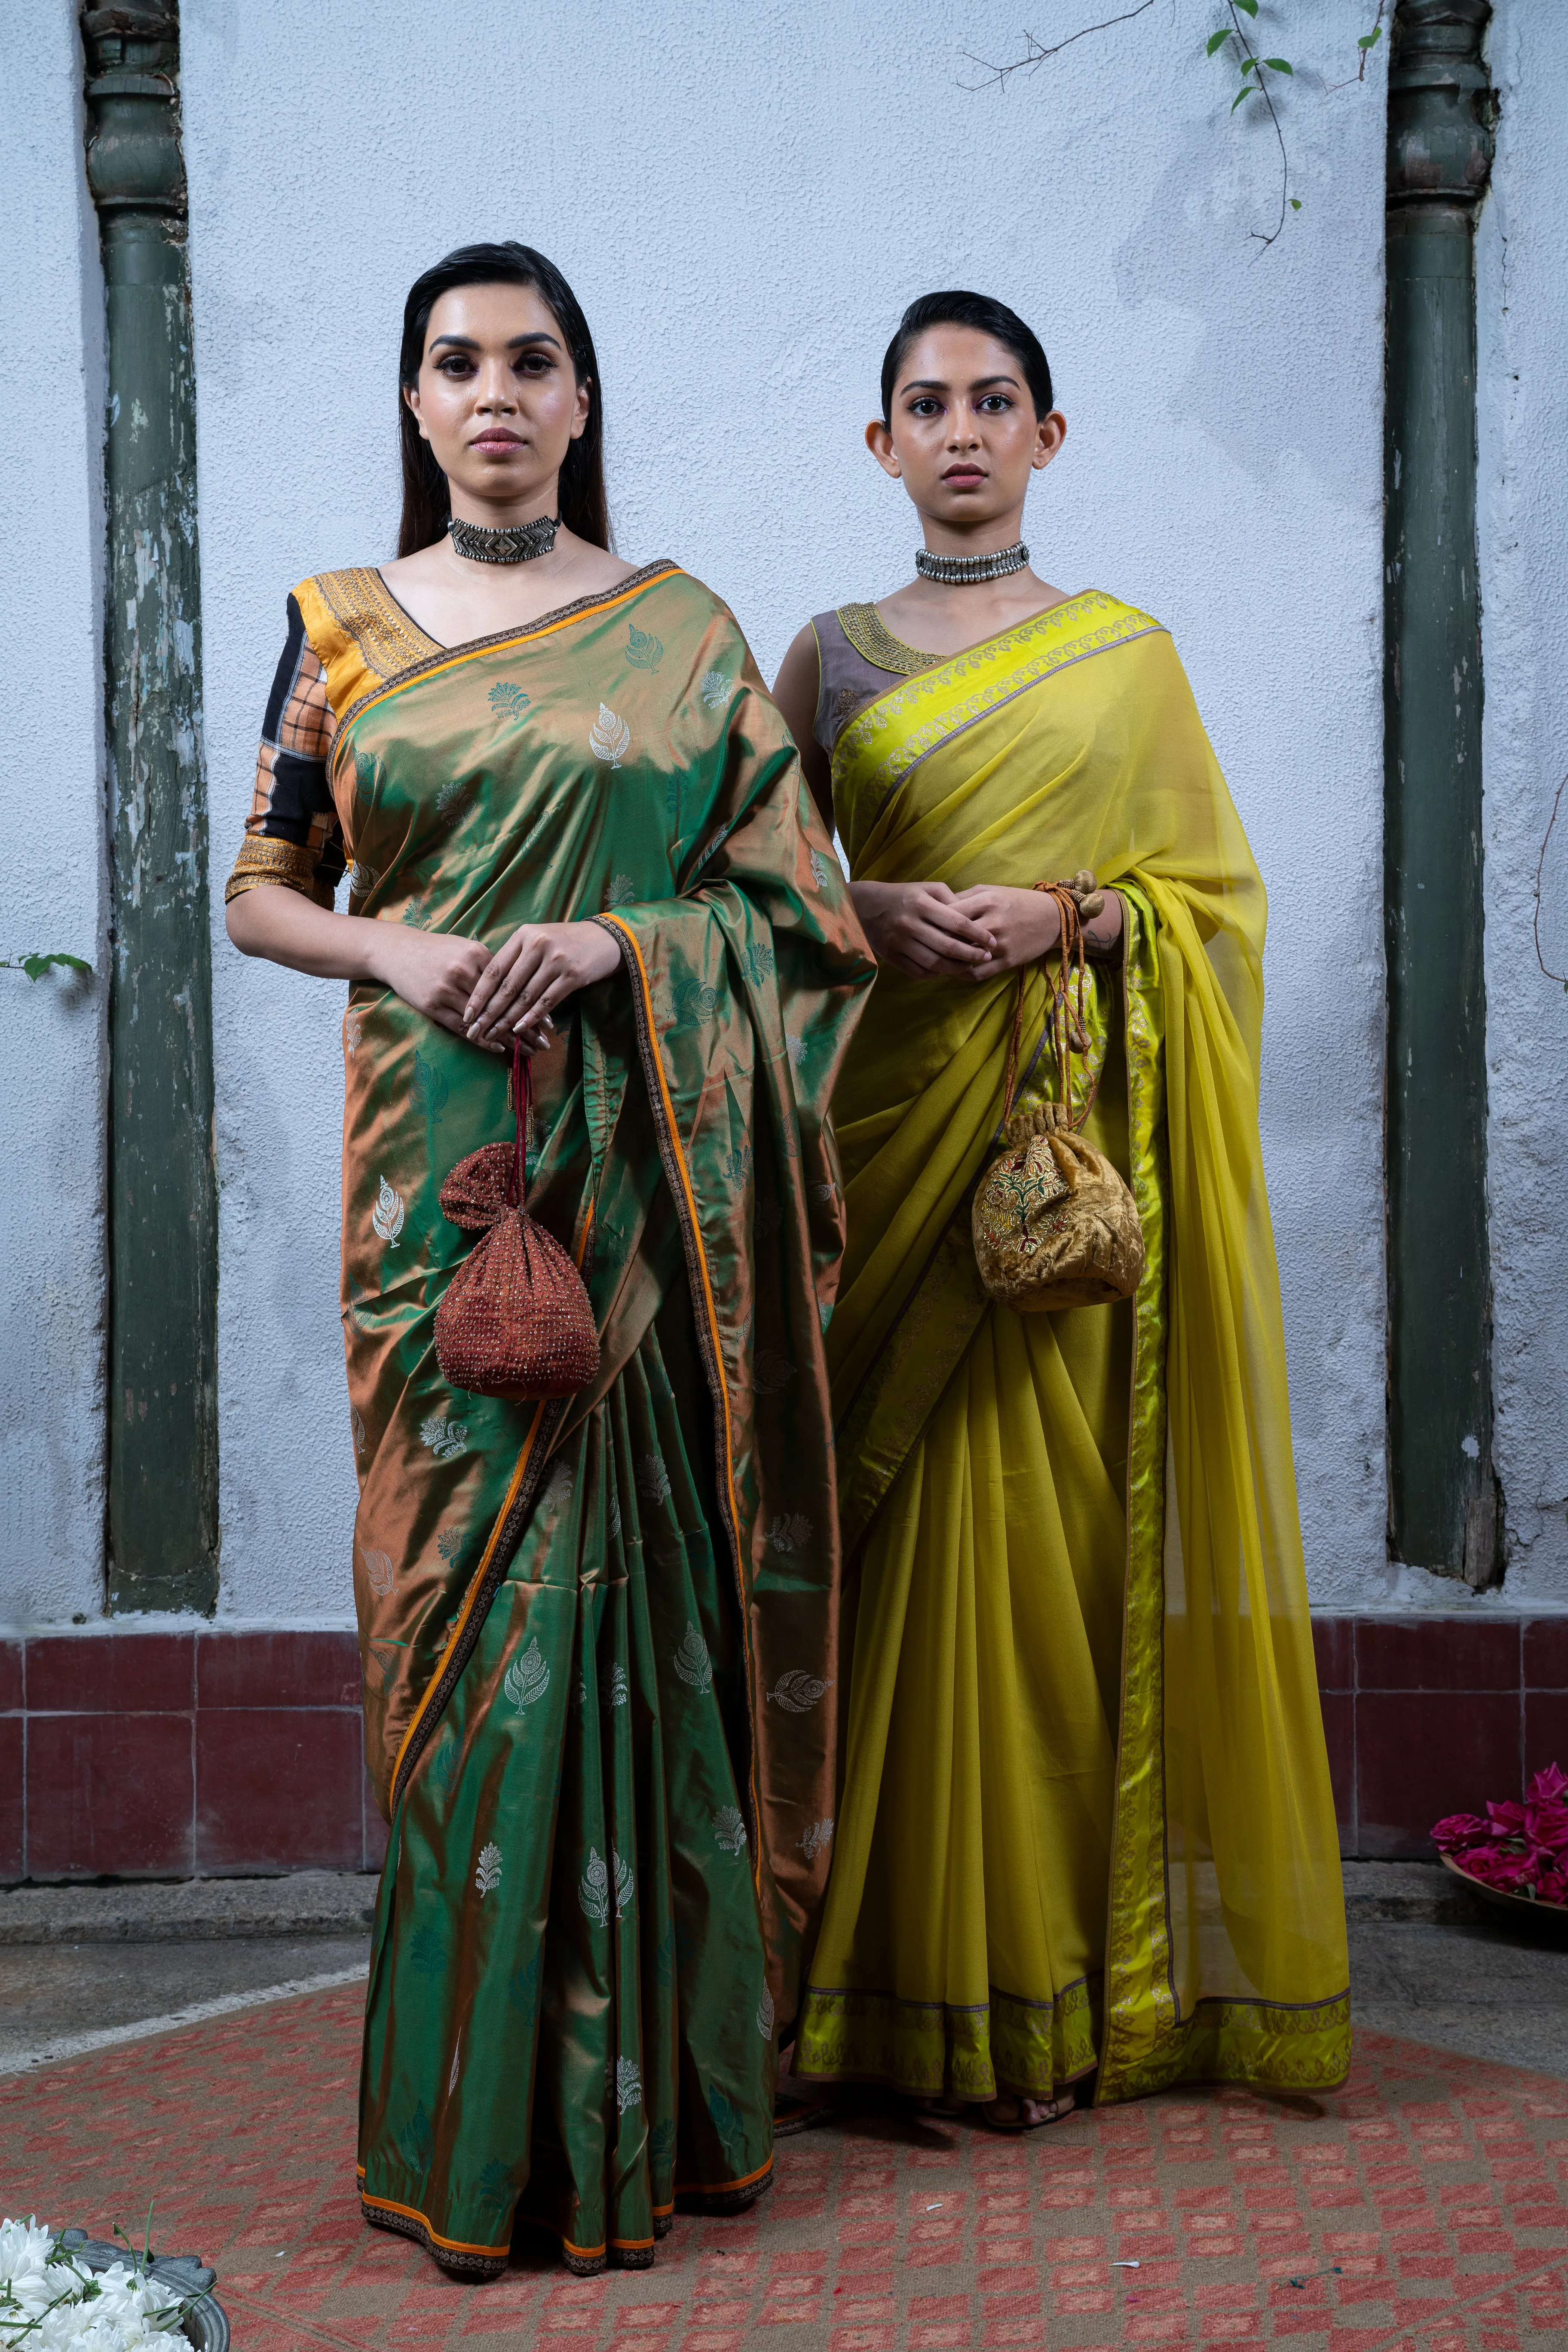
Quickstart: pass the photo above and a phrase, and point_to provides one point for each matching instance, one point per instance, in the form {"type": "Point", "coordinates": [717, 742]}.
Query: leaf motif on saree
{"type": "Point", "coordinates": [664, 1960]}
{"type": "Point", "coordinates": [357, 1426]}
{"type": "Point", "coordinates": [661, 2141]}
{"type": "Point", "coordinates": [417, 2141]}
{"type": "Point", "coordinates": [653, 1479]}
{"type": "Point", "coordinates": [695, 1000]}
{"type": "Point", "coordinates": [788, 1531]}
{"type": "Point", "coordinates": [558, 1487]}
{"type": "Point", "coordinates": [522, 1985]}
{"type": "Point", "coordinates": [496, 2188]}
{"type": "Point", "coordinates": [715, 689]}
{"type": "Point", "coordinates": [797, 1048]}
{"type": "Point", "coordinates": [444, 1763]}
{"type": "Point", "coordinates": [456, 796]}
{"type": "Point", "coordinates": [730, 1830]}
{"type": "Point", "coordinates": [628, 2085]}
{"type": "Point", "coordinates": [614, 1690]}
{"type": "Point", "coordinates": [825, 1314]}
{"type": "Point", "coordinates": [388, 1213]}
{"type": "Point", "coordinates": [429, 1091]}
{"type": "Point", "coordinates": [761, 963]}
{"type": "Point", "coordinates": [737, 1169]}
{"type": "Point", "coordinates": [691, 1661]}
{"type": "Point", "coordinates": [620, 891]}
{"type": "Point", "coordinates": [772, 1372]}
{"type": "Point", "coordinates": [798, 1692]}
{"type": "Point", "coordinates": [363, 879]}
{"type": "Point", "coordinates": [446, 1439]}
{"type": "Point", "coordinates": [614, 1519]}
{"type": "Point", "coordinates": [353, 1032]}
{"type": "Point", "coordinates": [623, 1883]}
{"type": "Point", "coordinates": [610, 738]}
{"type": "Point", "coordinates": [819, 1834]}
{"type": "Point", "coordinates": [379, 1572]}
{"type": "Point", "coordinates": [728, 2121]}
{"type": "Point", "coordinates": [823, 869]}
{"type": "Point", "coordinates": [766, 2015]}
{"type": "Point", "coordinates": [644, 650]}
{"type": "Point", "coordinates": [449, 1543]}
{"type": "Point", "coordinates": [594, 1889]}
{"type": "Point", "coordinates": [486, 1872]}
{"type": "Point", "coordinates": [427, 1952]}
{"type": "Point", "coordinates": [527, 1677]}
{"type": "Point", "coordinates": [507, 700]}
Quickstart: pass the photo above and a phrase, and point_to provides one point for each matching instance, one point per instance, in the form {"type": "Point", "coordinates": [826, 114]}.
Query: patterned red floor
{"type": "Point", "coordinates": [1421, 2210]}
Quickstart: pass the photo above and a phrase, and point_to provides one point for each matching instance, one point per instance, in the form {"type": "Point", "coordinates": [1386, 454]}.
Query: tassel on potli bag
{"type": "Point", "coordinates": [516, 1320]}
{"type": "Point", "coordinates": [1054, 1222]}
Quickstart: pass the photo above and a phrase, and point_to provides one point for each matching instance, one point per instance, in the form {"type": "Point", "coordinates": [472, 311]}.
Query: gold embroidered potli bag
{"type": "Point", "coordinates": [1055, 1225]}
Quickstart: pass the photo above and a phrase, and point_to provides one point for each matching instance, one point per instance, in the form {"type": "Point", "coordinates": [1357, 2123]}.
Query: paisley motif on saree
{"type": "Point", "coordinates": [1205, 1825]}
{"type": "Point", "coordinates": [576, 1614]}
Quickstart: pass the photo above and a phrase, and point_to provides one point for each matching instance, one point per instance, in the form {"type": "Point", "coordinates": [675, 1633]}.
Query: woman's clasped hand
{"type": "Point", "coordinates": [927, 930]}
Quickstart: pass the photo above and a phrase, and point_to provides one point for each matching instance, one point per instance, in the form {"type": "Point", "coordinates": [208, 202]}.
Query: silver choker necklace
{"type": "Point", "coordinates": [961, 571]}
{"type": "Point", "coordinates": [519, 544]}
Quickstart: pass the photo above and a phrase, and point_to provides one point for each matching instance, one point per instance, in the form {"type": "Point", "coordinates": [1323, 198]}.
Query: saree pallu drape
{"type": "Point", "coordinates": [598, 1632]}
{"type": "Point", "coordinates": [1150, 1738]}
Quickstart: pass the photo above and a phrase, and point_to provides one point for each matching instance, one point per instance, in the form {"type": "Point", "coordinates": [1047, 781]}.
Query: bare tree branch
{"type": "Point", "coordinates": [1037, 54]}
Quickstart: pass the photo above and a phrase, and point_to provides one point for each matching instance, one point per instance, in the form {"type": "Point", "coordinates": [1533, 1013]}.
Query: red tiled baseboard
{"type": "Point", "coordinates": [1428, 1714]}
{"type": "Point", "coordinates": [215, 1752]}
{"type": "Point", "coordinates": [211, 1753]}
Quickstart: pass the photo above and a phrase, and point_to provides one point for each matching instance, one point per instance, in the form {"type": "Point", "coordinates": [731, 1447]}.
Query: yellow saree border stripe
{"type": "Point", "coordinates": [412, 2213]}
{"type": "Point", "coordinates": [454, 656]}
{"type": "Point", "coordinates": [884, 738]}
{"type": "Point", "coordinates": [477, 1581]}
{"type": "Point", "coordinates": [720, 1382]}
{"type": "Point", "coordinates": [1140, 1997]}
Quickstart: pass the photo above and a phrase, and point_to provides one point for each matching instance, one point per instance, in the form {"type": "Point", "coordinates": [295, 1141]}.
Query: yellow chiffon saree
{"type": "Point", "coordinates": [1085, 1824]}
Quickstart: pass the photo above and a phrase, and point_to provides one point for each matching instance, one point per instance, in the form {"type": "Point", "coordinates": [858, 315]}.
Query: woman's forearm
{"type": "Point", "coordinates": [289, 929]}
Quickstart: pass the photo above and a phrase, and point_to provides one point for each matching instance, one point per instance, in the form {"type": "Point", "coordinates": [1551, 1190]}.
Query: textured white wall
{"type": "Point", "coordinates": [745, 199]}
{"type": "Point", "coordinates": [1523, 412]}
{"type": "Point", "coordinates": [53, 1067]}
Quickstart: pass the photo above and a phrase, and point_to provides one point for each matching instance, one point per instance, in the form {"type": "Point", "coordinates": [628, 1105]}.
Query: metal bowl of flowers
{"type": "Point", "coordinates": [1517, 1857]}
{"type": "Point", "coordinates": [59, 2290]}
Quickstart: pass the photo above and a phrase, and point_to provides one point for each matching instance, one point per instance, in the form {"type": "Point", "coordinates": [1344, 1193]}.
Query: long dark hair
{"type": "Point", "coordinates": [426, 499]}
{"type": "Point", "coordinates": [989, 317]}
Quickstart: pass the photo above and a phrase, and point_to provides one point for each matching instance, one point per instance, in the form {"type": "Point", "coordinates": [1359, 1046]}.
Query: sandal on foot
{"type": "Point", "coordinates": [1053, 2112]}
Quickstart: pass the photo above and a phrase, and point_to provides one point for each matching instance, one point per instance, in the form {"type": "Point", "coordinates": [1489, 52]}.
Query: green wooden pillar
{"type": "Point", "coordinates": [1442, 1496]}
{"type": "Point", "coordinates": [163, 1405]}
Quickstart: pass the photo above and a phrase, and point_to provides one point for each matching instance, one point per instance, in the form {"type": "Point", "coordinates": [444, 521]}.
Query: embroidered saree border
{"type": "Point", "coordinates": [1139, 1992]}
{"type": "Point", "coordinates": [443, 657]}
{"type": "Point", "coordinates": [1007, 666]}
{"type": "Point", "coordinates": [969, 2050]}
{"type": "Point", "coordinates": [706, 1322]}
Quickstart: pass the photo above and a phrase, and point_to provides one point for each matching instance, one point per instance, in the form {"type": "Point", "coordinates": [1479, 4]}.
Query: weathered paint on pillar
{"type": "Point", "coordinates": [162, 1418]}
{"type": "Point", "coordinates": [1442, 1496]}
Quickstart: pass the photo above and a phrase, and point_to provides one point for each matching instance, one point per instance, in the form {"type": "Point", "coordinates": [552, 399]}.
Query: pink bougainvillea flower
{"type": "Point", "coordinates": [1458, 1829]}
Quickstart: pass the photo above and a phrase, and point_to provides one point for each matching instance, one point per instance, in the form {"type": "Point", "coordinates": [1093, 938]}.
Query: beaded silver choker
{"type": "Point", "coordinates": [520, 543]}
{"type": "Point", "coordinates": [961, 571]}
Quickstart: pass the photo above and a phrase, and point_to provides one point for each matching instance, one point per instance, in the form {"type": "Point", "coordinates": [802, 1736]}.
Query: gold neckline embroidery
{"type": "Point", "coordinates": [875, 642]}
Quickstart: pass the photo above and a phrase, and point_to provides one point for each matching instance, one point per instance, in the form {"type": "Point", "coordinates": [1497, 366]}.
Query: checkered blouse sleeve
{"type": "Point", "coordinates": [292, 835]}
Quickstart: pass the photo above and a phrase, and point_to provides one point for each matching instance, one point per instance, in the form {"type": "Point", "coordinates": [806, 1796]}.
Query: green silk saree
{"type": "Point", "coordinates": [598, 1633]}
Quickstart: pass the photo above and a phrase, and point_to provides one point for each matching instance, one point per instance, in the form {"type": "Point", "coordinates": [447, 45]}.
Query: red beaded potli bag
{"type": "Point", "coordinates": [516, 1320]}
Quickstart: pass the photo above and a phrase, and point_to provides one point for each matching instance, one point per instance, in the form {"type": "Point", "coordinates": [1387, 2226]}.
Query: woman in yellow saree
{"type": "Point", "coordinates": [597, 1629]}
{"type": "Point", "coordinates": [1085, 1834]}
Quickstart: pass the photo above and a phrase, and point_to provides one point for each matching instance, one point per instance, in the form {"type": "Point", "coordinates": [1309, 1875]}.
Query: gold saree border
{"type": "Point", "coordinates": [679, 1179]}
{"type": "Point", "coordinates": [447, 658]}
{"type": "Point", "coordinates": [1139, 1992]}
{"type": "Point", "coordinates": [1147, 2043]}
{"type": "Point", "coordinates": [885, 739]}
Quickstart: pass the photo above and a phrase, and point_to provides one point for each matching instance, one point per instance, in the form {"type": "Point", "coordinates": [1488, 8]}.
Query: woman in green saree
{"type": "Point", "coordinates": [1086, 1835]}
{"type": "Point", "coordinates": [597, 1630]}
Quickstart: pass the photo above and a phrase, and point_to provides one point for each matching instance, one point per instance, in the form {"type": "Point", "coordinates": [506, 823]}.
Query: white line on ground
{"type": "Point", "coordinates": [77, 2045]}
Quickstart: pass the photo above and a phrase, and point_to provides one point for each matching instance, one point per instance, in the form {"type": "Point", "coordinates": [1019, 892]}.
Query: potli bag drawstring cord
{"type": "Point", "coordinates": [520, 1094]}
{"type": "Point", "coordinates": [1064, 1020]}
